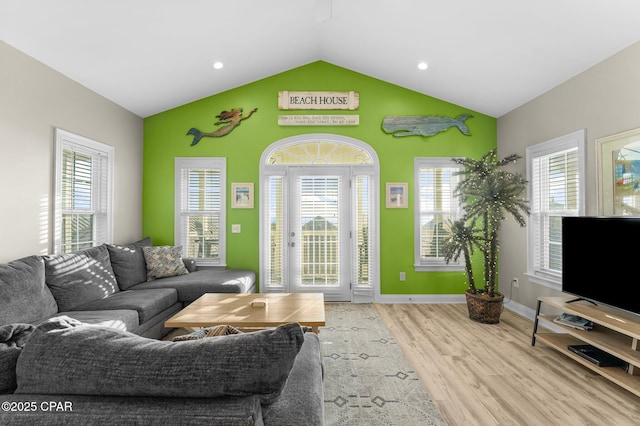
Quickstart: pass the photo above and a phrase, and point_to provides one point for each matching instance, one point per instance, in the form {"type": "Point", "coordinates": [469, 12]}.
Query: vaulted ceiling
{"type": "Point", "coordinates": [490, 56]}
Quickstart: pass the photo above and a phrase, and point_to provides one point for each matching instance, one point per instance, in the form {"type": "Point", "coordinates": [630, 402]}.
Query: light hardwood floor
{"type": "Point", "coordinates": [481, 374]}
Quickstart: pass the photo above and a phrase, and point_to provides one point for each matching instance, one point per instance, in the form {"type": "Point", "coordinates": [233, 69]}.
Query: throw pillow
{"type": "Point", "coordinates": [64, 356]}
{"type": "Point", "coordinates": [190, 264]}
{"type": "Point", "coordinates": [24, 296]}
{"type": "Point", "coordinates": [80, 277]}
{"type": "Point", "coordinates": [218, 330]}
{"type": "Point", "coordinates": [163, 261]}
{"type": "Point", "coordinates": [128, 263]}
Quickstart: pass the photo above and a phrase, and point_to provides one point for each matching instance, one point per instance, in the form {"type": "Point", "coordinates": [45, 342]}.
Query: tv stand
{"type": "Point", "coordinates": [615, 332]}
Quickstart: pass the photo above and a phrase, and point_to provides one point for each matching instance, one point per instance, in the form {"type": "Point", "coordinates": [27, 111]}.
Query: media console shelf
{"type": "Point", "coordinates": [616, 332]}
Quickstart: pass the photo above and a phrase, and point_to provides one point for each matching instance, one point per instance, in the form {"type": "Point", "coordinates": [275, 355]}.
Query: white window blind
{"type": "Point", "coordinates": [435, 207]}
{"type": "Point", "coordinates": [363, 231]}
{"type": "Point", "coordinates": [275, 232]}
{"type": "Point", "coordinates": [83, 193]}
{"type": "Point", "coordinates": [200, 201]}
{"type": "Point", "coordinates": [319, 227]}
{"type": "Point", "coordinates": [555, 185]}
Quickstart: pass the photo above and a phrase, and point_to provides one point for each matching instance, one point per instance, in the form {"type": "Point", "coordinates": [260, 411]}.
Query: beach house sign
{"type": "Point", "coordinates": [318, 100]}
{"type": "Point", "coordinates": [289, 100]}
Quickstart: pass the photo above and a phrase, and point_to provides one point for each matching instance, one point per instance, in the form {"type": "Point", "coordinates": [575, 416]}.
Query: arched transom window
{"type": "Point", "coordinates": [320, 152]}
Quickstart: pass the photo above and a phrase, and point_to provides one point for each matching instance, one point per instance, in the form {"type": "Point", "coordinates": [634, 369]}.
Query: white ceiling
{"type": "Point", "coordinates": [485, 55]}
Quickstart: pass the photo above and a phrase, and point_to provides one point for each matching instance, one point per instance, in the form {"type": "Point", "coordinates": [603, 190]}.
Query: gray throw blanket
{"type": "Point", "coordinates": [12, 339]}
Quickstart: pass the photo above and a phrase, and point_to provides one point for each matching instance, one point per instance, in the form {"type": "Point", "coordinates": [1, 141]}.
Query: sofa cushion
{"type": "Point", "coordinates": [80, 277]}
{"type": "Point", "coordinates": [148, 303]}
{"type": "Point", "coordinates": [64, 356]}
{"type": "Point", "coordinates": [163, 261]}
{"type": "Point", "coordinates": [12, 340]}
{"type": "Point", "coordinates": [128, 263]}
{"type": "Point", "coordinates": [24, 297]}
{"type": "Point", "coordinates": [214, 280]}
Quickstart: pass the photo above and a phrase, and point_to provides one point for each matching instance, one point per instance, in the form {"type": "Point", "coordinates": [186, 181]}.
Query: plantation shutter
{"type": "Point", "coordinates": [555, 193]}
{"type": "Point", "coordinates": [200, 197]}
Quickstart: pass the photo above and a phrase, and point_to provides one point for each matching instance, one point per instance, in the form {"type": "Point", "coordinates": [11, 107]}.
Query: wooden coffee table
{"type": "Point", "coordinates": [236, 309]}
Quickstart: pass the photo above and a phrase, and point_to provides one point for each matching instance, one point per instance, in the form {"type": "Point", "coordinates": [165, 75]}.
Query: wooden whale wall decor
{"type": "Point", "coordinates": [231, 119]}
{"type": "Point", "coordinates": [427, 125]}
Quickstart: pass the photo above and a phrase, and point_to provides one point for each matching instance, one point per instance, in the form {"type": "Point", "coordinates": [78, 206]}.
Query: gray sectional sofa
{"type": "Point", "coordinates": [134, 287]}
{"type": "Point", "coordinates": [77, 346]}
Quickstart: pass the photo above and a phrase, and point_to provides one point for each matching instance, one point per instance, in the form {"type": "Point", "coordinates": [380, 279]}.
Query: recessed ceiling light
{"type": "Point", "coordinates": [217, 65]}
{"type": "Point", "coordinates": [423, 66]}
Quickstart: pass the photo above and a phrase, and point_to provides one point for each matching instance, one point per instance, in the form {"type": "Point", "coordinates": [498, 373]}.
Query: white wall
{"type": "Point", "coordinates": [604, 100]}
{"type": "Point", "coordinates": [35, 99]}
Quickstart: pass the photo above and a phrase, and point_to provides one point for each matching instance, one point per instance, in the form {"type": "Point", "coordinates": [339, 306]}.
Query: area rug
{"type": "Point", "coordinates": [368, 381]}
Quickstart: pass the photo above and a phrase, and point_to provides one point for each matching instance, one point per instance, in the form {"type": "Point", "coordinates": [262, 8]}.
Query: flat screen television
{"type": "Point", "coordinates": [601, 260]}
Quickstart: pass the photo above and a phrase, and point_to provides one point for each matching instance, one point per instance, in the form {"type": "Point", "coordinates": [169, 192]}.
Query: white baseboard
{"type": "Point", "coordinates": [515, 307]}
{"type": "Point", "coordinates": [420, 298]}
{"type": "Point", "coordinates": [520, 309]}
{"type": "Point", "coordinates": [449, 298]}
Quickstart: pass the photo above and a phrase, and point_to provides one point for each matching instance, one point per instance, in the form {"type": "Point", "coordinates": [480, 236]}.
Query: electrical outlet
{"type": "Point", "coordinates": [403, 276]}
{"type": "Point", "coordinates": [515, 282]}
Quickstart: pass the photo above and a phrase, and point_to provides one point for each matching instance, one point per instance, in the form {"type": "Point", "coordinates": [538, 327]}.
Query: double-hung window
{"type": "Point", "coordinates": [436, 207]}
{"type": "Point", "coordinates": [200, 202]}
{"type": "Point", "coordinates": [83, 193]}
{"type": "Point", "coordinates": [555, 171]}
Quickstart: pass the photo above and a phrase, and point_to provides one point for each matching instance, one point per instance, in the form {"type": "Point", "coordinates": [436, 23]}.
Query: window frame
{"type": "Point", "coordinates": [180, 236]}
{"type": "Point", "coordinates": [436, 263]}
{"type": "Point", "coordinates": [101, 187]}
{"type": "Point", "coordinates": [570, 141]}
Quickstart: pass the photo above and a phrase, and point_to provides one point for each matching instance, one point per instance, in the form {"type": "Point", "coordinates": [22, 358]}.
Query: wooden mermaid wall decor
{"type": "Point", "coordinates": [230, 119]}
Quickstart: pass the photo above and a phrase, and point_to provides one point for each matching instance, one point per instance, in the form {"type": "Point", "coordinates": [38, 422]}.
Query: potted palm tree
{"type": "Point", "coordinates": [488, 193]}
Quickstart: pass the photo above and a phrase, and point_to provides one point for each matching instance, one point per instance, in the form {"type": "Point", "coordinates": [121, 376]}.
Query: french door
{"type": "Point", "coordinates": [318, 234]}
{"type": "Point", "coordinates": [318, 217]}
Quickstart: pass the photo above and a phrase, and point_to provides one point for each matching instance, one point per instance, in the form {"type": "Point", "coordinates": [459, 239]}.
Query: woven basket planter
{"type": "Point", "coordinates": [484, 309]}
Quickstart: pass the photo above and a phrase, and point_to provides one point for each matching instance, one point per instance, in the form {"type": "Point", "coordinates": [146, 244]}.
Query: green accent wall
{"type": "Point", "coordinates": [165, 138]}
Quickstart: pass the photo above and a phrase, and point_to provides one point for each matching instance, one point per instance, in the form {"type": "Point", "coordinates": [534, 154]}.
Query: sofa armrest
{"type": "Point", "coordinates": [302, 399]}
{"type": "Point", "coordinates": [64, 356]}
{"type": "Point", "coordinates": [85, 409]}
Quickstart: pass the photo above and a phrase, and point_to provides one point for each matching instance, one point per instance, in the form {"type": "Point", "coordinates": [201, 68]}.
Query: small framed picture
{"type": "Point", "coordinates": [242, 195]}
{"type": "Point", "coordinates": [397, 195]}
